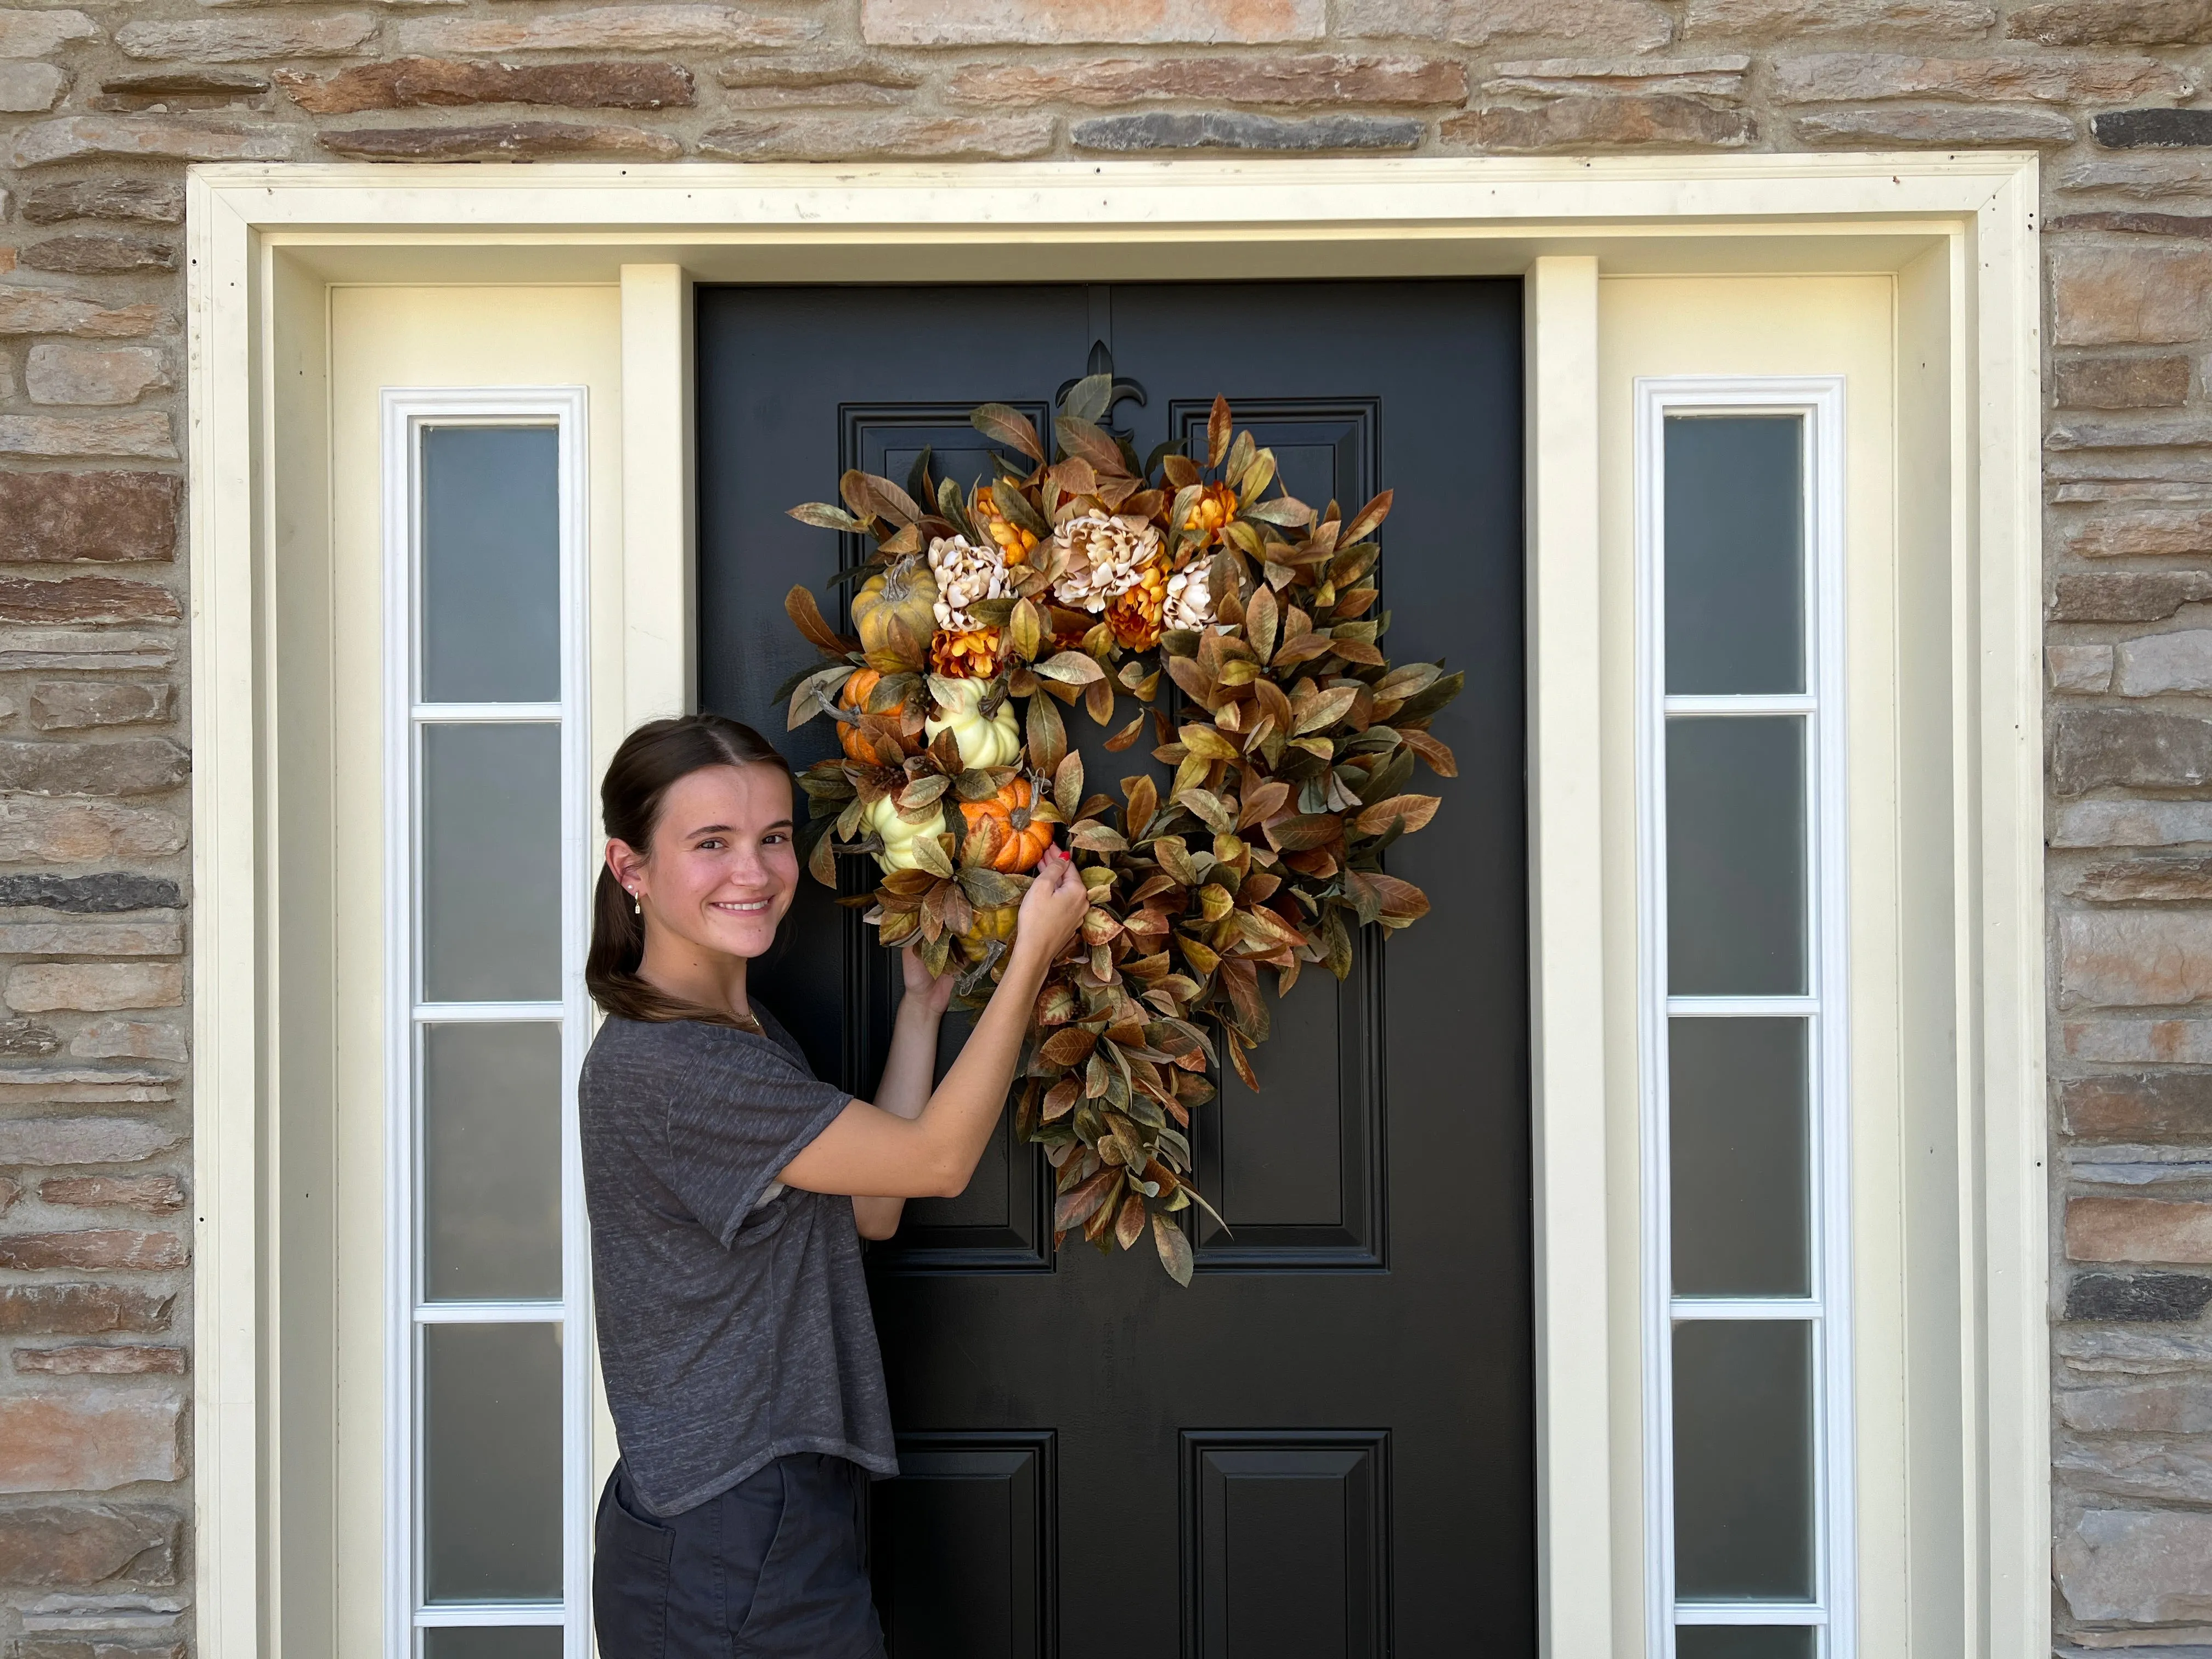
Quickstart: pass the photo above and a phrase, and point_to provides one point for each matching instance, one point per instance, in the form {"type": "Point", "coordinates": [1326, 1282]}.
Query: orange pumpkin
{"type": "Point", "coordinates": [854, 696]}
{"type": "Point", "coordinates": [1023, 841]}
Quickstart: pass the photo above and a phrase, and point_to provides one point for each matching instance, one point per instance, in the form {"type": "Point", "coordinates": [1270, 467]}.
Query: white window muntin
{"type": "Point", "coordinates": [407, 414]}
{"type": "Point", "coordinates": [1818, 401]}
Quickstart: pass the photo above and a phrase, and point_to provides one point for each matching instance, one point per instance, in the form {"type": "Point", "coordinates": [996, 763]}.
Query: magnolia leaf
{"type": "Point", "coordinates": [1098, 700]}
{"type": "Point", "coordinates": [1438, 755]}
{"type": "Point", "coordinates": [1067, 784]}
{"type": "Point", "coordinates": [1075, 1207]}
{"type": "Point", "coordinates": [1424, 704]}
{"type": "Point", "coordinates": [822, 516]}
{"type": "Point", "coordinates": [1286, 510]}
{"type": "Point", "coordinates": [1304, 831]}
{"type": "Point", "coordinates": [1209, 807]}
{"type": "Point", "coordinates": [822, 862]}
{"type": "Point", "coordinates": [1261, 617]}
{"type": "Point", "coordinates": [1089, 398]}
{"type": "Point", "coordinates": [1015, 506]}
{"type": "Point", "coordinates": [1367, 520]}
{"type": "Point", "coordinates": [1144, 796]}
{"type": "Point", "coordinates": [875, 497]}
{"type": "Point", "coordinates": [1326, 709]}
{"type": "Point", "coordinates": [1239, 456]}
{"type": "Point", "coordinates": [1405, 679]}
{"type": "Point", "coordinates": [1048, 737]}
{"type": "Point", "coordinates": [1072, 668]}
{"type": "Point", "coordinates": [1236, 1055]}
{"type": "Point", "coordinates": [1025, 629]}
{"type": "Point", "coordinates": [1255, 477]}
{"type": "Point", "coordinates": [1174, 1246]}
{"type": "Point", "coordinates": [1010, 427]}
{"type": "Point", "coordinates": [1130, 1225]}
{"type": "Point", "coordinates": [1126, 736]}
{"type": "Point", "coordinates": [1060, 1100]}
{"type": "Point", "coordinates": [815, 695]}
{"type": "Point", "coordinates": [1208, 744]}
{"type": "Point", "coordinates": [1401, 902]}
{"type": "Point", "coordinates": [1087, 442]}
{"type": "Point", "coordinates": [1264, 803]}
{"type": "Point", "coordinates": [988, 890]}
{"type": "Point", "coordinates": [929, 854]}
{"type": "Point", "coordinates": [1095, 837]}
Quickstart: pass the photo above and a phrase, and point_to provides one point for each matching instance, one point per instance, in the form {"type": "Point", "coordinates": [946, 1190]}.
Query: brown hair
{"type": "Point", "coordinates": [649, 763]}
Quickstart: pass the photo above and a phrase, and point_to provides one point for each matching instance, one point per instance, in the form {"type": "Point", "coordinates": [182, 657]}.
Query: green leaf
{"type": "Point", "coordinates": [1087, 400]}
{"type": "Point", "coordinates": [1016, 505]}
{"type": "Point", "coordinates": [929, 854]}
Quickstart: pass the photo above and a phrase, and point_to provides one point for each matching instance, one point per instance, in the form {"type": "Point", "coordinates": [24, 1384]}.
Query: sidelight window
{"type": "Point", "coordinates": [1744, 1102]}
{"type": "Point", "coordinates": [487, 1446]}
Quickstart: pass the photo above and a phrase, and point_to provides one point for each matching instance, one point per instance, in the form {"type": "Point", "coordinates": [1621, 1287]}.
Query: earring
{"type": "Point", "coordinates": [635, 903]}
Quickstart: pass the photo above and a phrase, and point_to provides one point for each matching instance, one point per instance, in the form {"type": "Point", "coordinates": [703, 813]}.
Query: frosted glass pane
{"type": "Point", "coordinates": [1736, 553]}
{"type": "Point", "coordinates": [1737, 1130]}
{"type": "Point", "coordinates": [1736, 856]}
{"type": "Point", "coordinates": [1743, 1460]}
{"type": "Point", "coordinates": [491, 564]}
{"type": "Point", "coordinates": [491, 863]}
{"type": "Point", "coordinates": [1746, 1642]}
{"type": "Point", "coordinates": [492, 1161]}
{"type": "Point", "coordinates": [491, 1462]}
{"type": "Point", "coordinates": [515, 1642]}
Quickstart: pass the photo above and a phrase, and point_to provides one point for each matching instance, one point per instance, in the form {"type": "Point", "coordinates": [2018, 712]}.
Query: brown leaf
{"type": "Point", "coordinates": [1261, 617]}
{"type": "Point", "coordinates": [1409, 812]}
{"type": "Point", "coordinates": [1077, 1206]}
{"type": "Point", "coordinates": [1072, 668]}
{"type": "Point", "coordinates": [1060, 1099]}
{"type": "Point", "coordinates": [1438, 754]}
{"type": "Point", "coordinates": [875, 497]}
{"type": "Point", "coordinates": [1098, 699]}
{"type": "Point", "coordinates": [1144, 801]}
{"type": "Point", "coordinates": [1007, 426]}
{"type": "Point", "coordinates": [1367, 521]}
{"type": "Point", "coordinates": [1131, 1223]}
{"type": "Point", "coordinates": [1068, 1046]}
{"type": "Point", "coordinates": [799, 605]}
{"type": "Point", "coordinates": [1263, 803]}
{"type": "Point", "coordinates": [1402, 902]}
{"type": "Point", "coordinates": [1216, 432]}
{"type": "Point", "coordinates": [1047, 736]}
{"type": "Point", "coordinates": [1126, 736]}
{"type": "Point", "coordinates": [1174, 1246]}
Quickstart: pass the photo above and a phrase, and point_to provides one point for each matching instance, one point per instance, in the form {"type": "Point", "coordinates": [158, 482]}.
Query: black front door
{"type": "Point", "coordinates": [1325, 1445]}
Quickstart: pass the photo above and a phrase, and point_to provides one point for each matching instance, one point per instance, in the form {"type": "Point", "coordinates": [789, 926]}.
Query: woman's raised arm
{"type": "Point", "coordinates": [870, 1151]}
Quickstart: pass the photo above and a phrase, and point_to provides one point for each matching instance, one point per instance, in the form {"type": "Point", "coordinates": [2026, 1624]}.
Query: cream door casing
{"type": "Point", "coordinates": [1782, 328]}
{"type": "Point", "coordinates": [335, 1296]}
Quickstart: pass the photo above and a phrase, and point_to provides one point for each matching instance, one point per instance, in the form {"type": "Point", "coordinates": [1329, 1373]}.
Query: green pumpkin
{"type": "Point", "coordinates": [905, 595]}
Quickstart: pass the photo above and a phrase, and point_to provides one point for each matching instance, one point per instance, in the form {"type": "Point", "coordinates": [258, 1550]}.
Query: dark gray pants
{"type": "Point", "coordinates": [769, 1570]}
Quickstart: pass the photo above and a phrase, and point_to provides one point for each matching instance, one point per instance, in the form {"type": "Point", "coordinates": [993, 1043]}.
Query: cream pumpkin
{"type": "Point", "coordinates": [991, 740]}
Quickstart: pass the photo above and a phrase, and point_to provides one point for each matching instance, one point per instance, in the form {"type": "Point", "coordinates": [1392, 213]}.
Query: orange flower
{"type": "Point", "coordinates": [1134, 615]}
{"type": "Point", "coordinates": [970, 655]}
{"type": "Point", "coordinates": [1014, 541]}
{"type": "Point", "coordinates": [1215, 506]}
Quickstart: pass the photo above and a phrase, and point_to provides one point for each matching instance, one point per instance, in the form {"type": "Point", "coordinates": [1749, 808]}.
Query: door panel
{"type": "Point", "coordinates": [1325, 1445]}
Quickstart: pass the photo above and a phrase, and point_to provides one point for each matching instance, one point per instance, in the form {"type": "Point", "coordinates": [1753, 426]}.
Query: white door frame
{"type": "Point", "coordinates": [264, 242]}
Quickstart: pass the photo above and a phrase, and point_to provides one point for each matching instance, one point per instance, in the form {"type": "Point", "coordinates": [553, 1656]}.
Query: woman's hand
{"type": "Point", "coordinates": [1053, 909]}
{"type": "Point", "coordinates": [925, 993]}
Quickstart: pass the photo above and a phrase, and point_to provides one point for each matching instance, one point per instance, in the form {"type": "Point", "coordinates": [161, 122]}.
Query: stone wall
{"type": "Point", "coordinates": [102, 103]}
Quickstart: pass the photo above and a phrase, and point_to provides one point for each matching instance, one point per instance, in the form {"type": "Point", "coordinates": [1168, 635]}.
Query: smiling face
{"type": "Point", "coordinates": [722, 868]}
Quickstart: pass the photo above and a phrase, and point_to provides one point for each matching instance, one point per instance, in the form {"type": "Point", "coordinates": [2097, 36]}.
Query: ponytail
{"type": "Point", "coordinates": [651, 761]}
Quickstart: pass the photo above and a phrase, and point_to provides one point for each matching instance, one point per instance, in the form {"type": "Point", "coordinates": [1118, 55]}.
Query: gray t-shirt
{"type": "Point", "coordinates": [733, 1317]}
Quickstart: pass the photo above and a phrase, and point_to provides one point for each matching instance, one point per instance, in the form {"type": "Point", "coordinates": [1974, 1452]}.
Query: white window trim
{"type": "Point", "coordinates": [1819, 401]}
{"type": "Point", "coordinates": [265, 240]}
{"type": "Point", "coordinates": [406, 412]}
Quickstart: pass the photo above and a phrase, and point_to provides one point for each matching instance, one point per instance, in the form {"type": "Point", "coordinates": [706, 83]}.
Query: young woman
{"type": "Point", "coordinates": [728, 1190]}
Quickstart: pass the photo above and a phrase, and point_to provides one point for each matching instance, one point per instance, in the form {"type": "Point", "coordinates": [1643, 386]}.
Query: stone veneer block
{"type": "Point", "coordinates": [2080, 668]}
{"type": "Point", "coordinates": [103, 1359]}
{"type": "Point", "coordinates": [86, 254]}
{"type": "Point", "coordinates": [2133, 958]}
{"type": "Point", "coordinates": [2148, 1229]}
{"type": "Point", "coordinates": [2114, 23]}
{"type": "Point", "coordinates": [93, 987]}
{"type": "Point", "coordinates": [408, 83]}
{"type": "Point", "coordinates": [131, 138]}
{"type": "Point", "coordinates": [93, 1249]}
{"type": "Point", "coordinates": [154, 1194]}
{"type": "Point", "coordinates": [2138, 1042]}
{"type": "Point", "coordinates": [89, 1440]}
{"type": "Point", "coordinates": [34, 830]}
{"type": "Point", "coordinates": [248, 40]}
{"type": "Point", "coordinates": [506, 140]}
{"type": "Point", "coordinates": [1088, 22]}
{"type": "Point", "coordinates": [809, 138]}
{"type": "Point", "coordinates": [2131, 823]}
{"type": "Point", "coordinates": [2145, 1567]}
{"type": "Point", "coordinates": [1604, 121]}
{"type": "Point", "coordinates": [66, 374]}
{"type": "Point", "coordinates": [1164, 129]}
{"type": "Point", "coordinates": [1783, 18]}
{"type": "Point", "coordinates": [82, 1309]}
{"type": "Point", "coordinates": [30, 88]}
{"type": "Point", "coordinates": [60, 518]}
{"type": "Point", "coordinates": [1620, 25]}
{"type": "Point", "coordinates": [1849, 77]}
{"type": "Point", "coordinates": [151, 201]}
{"type": "Point", "coordinates": [2114, 296]}
{"type": "Point", "coordinates": [76, 1546]}
{"type": "Point", "coordinates": [41, 311]}
{"type": "Point", "coordinates": [74, 1140]}
{"type": "Point", "coordinates": [144, 436]}
{"type": "Point", "coordinates": [607, 28]}
{"type": "Point", "coordinates": [28, 33]}
{"type": "Point", "coordinates": [2161, 663]}
{"type": "Point", "coordinates": [2132, 748]}
{"type": "Point", "coordinates": [2139, 535]}
{"type": "Point", "coordinates": [1306, 78]}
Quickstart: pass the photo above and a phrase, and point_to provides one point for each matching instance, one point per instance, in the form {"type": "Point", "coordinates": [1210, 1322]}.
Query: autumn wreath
{"type": "Point", "coordinates": [1084, 576]}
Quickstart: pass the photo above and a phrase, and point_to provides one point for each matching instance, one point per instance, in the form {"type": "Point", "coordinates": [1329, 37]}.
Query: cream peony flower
{"type": "Point", "coordinates": [965, 572]}
{"type": "Point", "coordinates": [1104, 555]}
{"type": "Point", "coordinates": [1190, 601]}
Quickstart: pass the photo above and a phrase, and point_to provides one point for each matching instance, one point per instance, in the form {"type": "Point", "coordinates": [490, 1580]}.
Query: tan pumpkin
{"type": "Point", "coordinates": [906, 593]}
